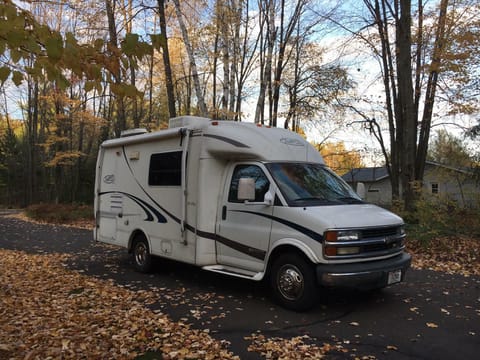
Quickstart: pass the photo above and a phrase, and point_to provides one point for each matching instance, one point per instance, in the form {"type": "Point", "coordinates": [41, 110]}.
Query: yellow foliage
{"type": "Point", "coordinates": [338, 158]}
{"type": "Point", "coordinates": [64, 158]}
{"type": "Point", "coordinates": [15, 125]}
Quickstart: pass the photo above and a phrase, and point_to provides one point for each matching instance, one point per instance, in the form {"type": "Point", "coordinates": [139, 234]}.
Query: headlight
{"type": "Point", "coordinates": [343, 235]}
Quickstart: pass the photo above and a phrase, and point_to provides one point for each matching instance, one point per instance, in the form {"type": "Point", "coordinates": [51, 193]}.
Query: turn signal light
{"type": "Point", "coordinates": [330, 251]}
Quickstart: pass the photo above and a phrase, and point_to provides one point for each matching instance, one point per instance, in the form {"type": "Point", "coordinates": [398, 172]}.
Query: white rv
{"type": "Point", "coordinates": [244, 200]}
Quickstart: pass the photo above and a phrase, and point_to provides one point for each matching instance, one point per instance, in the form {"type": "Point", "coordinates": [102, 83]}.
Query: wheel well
{"type": "Point", "coordinates": [133, 236]}
{"type": "Point", "coordinates": [285, 249]}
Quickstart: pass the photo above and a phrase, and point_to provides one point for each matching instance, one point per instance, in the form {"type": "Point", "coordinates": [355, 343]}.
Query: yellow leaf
{"type": "Point", "coordinates": [432, 325]}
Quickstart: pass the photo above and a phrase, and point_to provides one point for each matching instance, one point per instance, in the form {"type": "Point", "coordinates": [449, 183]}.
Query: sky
{"type": "Point", "coordinates": [363, 70]}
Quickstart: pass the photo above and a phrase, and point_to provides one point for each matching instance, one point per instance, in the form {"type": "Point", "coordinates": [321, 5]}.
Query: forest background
{"type": "Point", "coordinates": [75, 73]}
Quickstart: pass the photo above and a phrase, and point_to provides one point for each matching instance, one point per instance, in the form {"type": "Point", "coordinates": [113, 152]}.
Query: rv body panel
{"type": "Point", "coordinates": [132, 198]}
{"type": "Point", "coordinates": [218, 194]}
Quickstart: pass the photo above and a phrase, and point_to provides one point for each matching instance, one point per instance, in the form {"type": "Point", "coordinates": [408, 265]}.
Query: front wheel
{"type": "Point", "coordinates": [142, 259]}
{"type": "Point", "coordinates": [293, 282]}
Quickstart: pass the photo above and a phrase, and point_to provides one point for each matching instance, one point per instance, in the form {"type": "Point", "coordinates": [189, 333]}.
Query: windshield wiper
{"type": "Point", "coordinates": [314, 198]}
{"type": "Point", "coordinates": [351, 200]}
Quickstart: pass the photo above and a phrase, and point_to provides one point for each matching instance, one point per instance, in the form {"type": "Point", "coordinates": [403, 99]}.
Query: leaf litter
{"type": "Point", "coordinates": [101, 320]}
{"type": "Point", "coordinates": [47, 311]}
{"type": "Point", "coordinates": [452, 255]}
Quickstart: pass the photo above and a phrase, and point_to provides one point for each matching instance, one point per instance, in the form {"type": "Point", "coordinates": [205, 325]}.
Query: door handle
{"type": "Point", "coordinates": [224, 212]}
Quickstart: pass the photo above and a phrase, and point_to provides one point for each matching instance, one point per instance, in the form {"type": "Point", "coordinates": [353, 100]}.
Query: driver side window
{"type": "Point", "coordinates": [249, 171]}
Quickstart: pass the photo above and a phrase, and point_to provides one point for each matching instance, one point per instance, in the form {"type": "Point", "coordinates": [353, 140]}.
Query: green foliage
{"type": "Point", "coordinates": [11, 174]}
{"type": "Point", "coordinates": [23, 39]}
{"type": "Point", "coordinates": [447, 149]}
{"type": "Point", "coordinates": [438, 218]}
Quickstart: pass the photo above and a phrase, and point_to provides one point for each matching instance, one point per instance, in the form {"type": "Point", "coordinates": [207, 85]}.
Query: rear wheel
{"type": "Point", "coordinates": [142, 259]}
{"type": "Point", "coordinates": [293, 282]}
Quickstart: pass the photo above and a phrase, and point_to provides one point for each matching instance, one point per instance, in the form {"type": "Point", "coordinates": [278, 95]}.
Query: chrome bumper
{"type": "Point", "coordinates": [363, 275]}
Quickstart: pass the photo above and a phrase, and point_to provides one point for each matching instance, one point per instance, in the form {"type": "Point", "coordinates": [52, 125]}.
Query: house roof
{"type": "Point", "coordinates": [372, 174]}
{"type": "Point", "coordinates": [369, 174]}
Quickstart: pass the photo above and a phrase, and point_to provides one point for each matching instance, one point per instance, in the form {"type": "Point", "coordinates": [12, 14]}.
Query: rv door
{"type": "Point", "coordinates": [243, 229]}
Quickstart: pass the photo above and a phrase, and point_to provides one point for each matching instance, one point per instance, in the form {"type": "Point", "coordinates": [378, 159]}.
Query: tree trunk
{"type": "Point", "coordinates": [430, 93]}
{"type": "Point", "coordinates": [286, 31]}
{"type": "Point", "coordinates": [166, 60]}
{"type": "Point", "coordinates": [121, 121]}
{"type": "Point", "coordinates": [202, 108]}
{"type": "Point", "coordinates": [406, 108]}
{"type": "Point", "coordinates": [268, 13]}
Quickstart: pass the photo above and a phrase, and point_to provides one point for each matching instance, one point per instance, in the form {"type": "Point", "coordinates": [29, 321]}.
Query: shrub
{"type": "Point", "coordinates": [59, 213]}
{"type": "Point", "coordinates": [441, 217]}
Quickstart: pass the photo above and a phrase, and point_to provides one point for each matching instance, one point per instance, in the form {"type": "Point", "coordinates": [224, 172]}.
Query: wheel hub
{"type": "Point", "coordinates": [290, 282]}
{"type": "Point", "coordinates": [140, 254]}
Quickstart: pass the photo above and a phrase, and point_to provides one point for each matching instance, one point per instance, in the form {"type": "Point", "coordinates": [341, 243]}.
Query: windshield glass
{"type": "Point", "coordinates": [309, 184]}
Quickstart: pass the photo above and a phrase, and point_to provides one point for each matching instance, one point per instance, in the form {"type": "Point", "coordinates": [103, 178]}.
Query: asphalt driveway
{"type": "Point", "coordinates": [432, 315]}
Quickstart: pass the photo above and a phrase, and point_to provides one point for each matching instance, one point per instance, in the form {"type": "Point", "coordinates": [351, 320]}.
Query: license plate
{"type": "Point", "coordinates": [394, 276]}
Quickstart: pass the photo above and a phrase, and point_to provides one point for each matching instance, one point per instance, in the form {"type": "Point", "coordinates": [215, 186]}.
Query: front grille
{"type": "Point", "coordinates": [374, 242]}
{"type": "Point", "coordinates": [380, 232]}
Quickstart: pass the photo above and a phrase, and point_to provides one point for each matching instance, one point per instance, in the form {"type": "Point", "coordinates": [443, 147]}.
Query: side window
{"type": "Point", "coordinates": [165, 169]}
{"type": "Point", "coordinates": [248, 171]}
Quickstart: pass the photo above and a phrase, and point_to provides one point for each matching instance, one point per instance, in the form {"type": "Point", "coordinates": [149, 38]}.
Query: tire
{"type": "Point", "coordinates": [293, 282]}
{"type": "Point", "coordinates": [142, 260]}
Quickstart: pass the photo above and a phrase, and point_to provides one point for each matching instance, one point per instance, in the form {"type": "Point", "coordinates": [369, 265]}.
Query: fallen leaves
{"type": "Point", "coordinates": [48, 311]}
{"type": "Point", "coordinates": [453, 255]}
{"type": "Point", "coordinates": [299, 347]}
{"type": "Point", "coordinates": [432, 325]}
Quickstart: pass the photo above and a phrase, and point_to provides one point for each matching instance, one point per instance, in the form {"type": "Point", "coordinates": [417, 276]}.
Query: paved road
{"type": "Point", "coordinates": [391, 324]}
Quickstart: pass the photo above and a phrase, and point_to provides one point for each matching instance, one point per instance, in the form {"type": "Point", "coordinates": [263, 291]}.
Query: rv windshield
{"type": "Point", "coordinates": [310, 184]}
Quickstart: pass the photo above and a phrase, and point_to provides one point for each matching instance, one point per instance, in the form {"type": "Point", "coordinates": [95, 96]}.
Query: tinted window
{"type": "Point", "coordinates": [249, 171]}
{"type": "Point", "coordinates": [304, 184]}
{"type": "Point", "coordinates": [165, 169]}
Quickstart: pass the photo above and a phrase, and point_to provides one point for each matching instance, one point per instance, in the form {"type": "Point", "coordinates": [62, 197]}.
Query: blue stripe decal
{"type": "Point", "coordinates": [177, 220]}
{"type": "Point", "coordinates": [149, 209]}
{"type": "Point", "coordinates": [256, 253]}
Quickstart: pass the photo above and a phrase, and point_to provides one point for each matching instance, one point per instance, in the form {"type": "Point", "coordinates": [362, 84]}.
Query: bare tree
{"type": "Point", "coordinates": [115, 68]}
{"type": "Point", "coordinates": [287, 27]}
{"type": "Point", "coordinates": [202, 108]}
{"type": "Point", "coordinates": [166, 59]}
{"type": "Point", "coordinates": [402, 73]}
{"type": "Point", "coordinates": [268, 36]}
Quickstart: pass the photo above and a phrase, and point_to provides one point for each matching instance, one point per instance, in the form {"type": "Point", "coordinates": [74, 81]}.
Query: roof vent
{"type": "Point", "coordinates": [133, 132]}
{"type": "Point", "coordinates": [187, 121]}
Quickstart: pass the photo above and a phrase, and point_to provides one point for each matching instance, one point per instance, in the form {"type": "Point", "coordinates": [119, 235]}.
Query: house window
{"type": "Point", "coordinates": [165, 169]}
{"type": "Point", "coordinates": [434, 188]}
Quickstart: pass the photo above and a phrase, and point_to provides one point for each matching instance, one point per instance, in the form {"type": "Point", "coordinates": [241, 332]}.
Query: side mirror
{"type": "Point", "coordinates": [246, 189]}
{"type": "Point", "coordinates": [361, 190]}
{"type": "Point", "coordinates": [268, 199]}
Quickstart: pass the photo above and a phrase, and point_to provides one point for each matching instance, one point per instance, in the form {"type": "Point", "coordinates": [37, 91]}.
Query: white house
{"type": "Point", "coordinates": [440, 181]}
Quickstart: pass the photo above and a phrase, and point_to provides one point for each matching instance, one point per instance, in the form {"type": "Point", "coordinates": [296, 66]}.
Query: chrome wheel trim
{"type": "Point", "coordinates": [290, 282]}
{"type": "Point", "coordinates": [140, 253]}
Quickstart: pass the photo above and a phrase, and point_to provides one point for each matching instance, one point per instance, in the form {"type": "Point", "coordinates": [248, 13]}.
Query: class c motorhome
{"type": "Point", "coordinates": [244, 200]}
